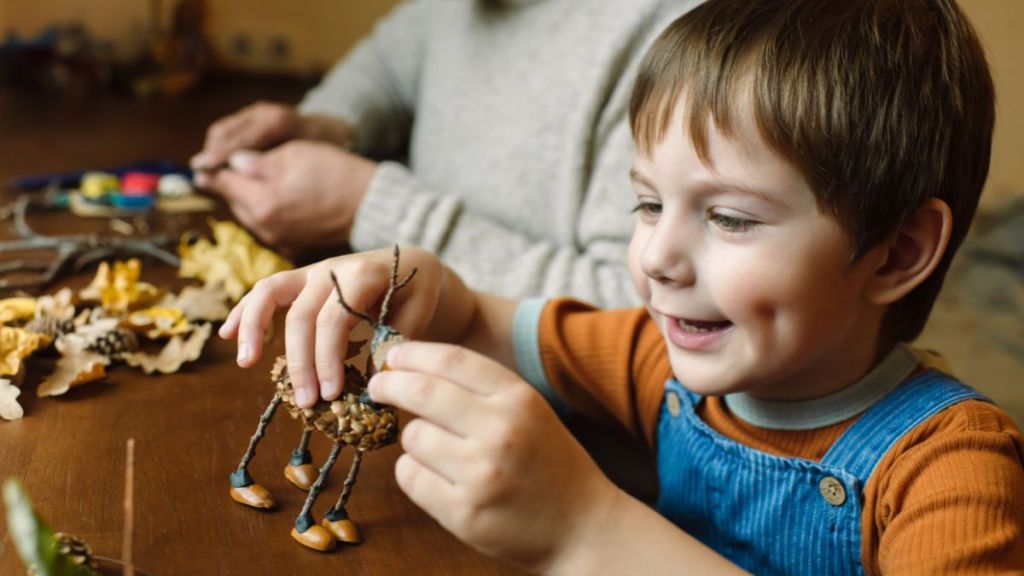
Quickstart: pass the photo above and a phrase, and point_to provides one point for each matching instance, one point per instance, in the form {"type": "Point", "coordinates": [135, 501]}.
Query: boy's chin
{"type": "Point", "coordinates": [703, 379]}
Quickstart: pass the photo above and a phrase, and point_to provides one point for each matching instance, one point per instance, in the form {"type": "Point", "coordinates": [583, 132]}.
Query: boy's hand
{"type": "Point", "coordinates": [489, 459]}
{"type": "Point", "coordinates": [297, 196]}
{"type": "Point", "coordinates": [317, 327]}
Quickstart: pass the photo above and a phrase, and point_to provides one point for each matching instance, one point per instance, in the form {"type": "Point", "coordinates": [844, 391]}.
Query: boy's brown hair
{"type": "Point", "coordinates": [880, 104]}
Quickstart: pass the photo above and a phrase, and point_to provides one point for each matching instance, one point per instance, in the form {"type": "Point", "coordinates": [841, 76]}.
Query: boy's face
{"type": "Point", "coordinates": [748, 281]}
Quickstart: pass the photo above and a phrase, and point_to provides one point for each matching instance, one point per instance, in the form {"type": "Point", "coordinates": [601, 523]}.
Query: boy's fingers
{"type": "Point", "coordinates": [229, 329]}
{"type": "Point", "coordinates": [427, 489]}
{"type": "Point", "coordinates": [436, 448]}
{"type": "Point", "coordinates": [448, 405]}
{"type": "Point", "coordinates": [462, 366]}
{"type": "Point", "coordinates": [266, 296]}
{"type": "Point", "coordinates": [332, 329]}
{"type": "Point", "coordinates": [299, 340]}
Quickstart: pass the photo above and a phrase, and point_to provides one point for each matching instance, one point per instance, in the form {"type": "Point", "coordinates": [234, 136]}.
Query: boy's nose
{"type": "Point", "coordinates": [666, 258]}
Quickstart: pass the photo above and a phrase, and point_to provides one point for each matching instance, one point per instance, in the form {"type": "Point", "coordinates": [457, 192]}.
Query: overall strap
{"type": "Point", "coordinates": [862, 446]}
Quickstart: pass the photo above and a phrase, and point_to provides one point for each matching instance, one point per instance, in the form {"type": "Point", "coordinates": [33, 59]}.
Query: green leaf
{"type": "Point", "coordinates": [34, 540]}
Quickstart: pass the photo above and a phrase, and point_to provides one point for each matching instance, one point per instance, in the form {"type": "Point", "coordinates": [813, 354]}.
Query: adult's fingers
{"type": "Point", "coordinates": [221, 140]}
{"type": "Point", "coordinates": [474, 372]}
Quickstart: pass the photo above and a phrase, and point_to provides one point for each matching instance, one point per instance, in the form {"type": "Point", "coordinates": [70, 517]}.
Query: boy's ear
{"type": "Point", "coordinates": [912, 254]}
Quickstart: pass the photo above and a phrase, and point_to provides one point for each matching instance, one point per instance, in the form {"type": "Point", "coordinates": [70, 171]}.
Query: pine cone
{"type": "Point", "coordinates": [50, 326]}
{"type": "Point", "coordinates": [76, 550]}
{"type": "Point", "coordinates": [114, 343]}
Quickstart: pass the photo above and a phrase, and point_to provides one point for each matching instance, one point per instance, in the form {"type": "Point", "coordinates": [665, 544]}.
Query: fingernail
{"type": "Point", "coordinates": [243, 160]}
{"type": "Point", "coordinates": [244, 353]}
{"type": "Point", "coordinates": [392, 354]}
{"type": "Point", "coordinates": [328, 389]}
{"type": "Point", "coordinates": [372, 385]}
{"type": "Point", "coordinates": [303, 397]}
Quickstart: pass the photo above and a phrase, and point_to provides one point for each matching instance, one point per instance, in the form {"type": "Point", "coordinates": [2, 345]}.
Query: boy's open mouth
{"type": "Point", "coordinates": [700, 326]}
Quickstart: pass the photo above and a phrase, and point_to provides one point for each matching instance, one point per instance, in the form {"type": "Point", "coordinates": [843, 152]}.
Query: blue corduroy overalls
{"type": "Point", "coordinates": [775, 515]}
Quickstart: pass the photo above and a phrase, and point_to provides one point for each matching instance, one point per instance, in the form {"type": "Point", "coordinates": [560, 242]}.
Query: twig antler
{"type": "Point", "coordinates": [393, 286]}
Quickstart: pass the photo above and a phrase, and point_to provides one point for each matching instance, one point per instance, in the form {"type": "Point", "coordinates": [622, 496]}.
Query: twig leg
{"type": "Point", "coordinates": [338, 512]}
{"type": "Point", "coordinates": [240, 477]}
{"type": "Point", "coordinates": [305, 519]}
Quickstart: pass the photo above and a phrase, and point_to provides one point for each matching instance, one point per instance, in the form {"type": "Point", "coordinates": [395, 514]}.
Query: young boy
{"type": "Point", "coordinates": [805, 173]}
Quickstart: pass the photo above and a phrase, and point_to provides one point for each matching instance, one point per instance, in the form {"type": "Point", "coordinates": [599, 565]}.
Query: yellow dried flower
{"type": "Point", "coordinates": [15, 345]}
{"type": "Point", "coordinates": [119, 289]}
{"type": "Point", "coordinates": [234, 262]}
{"type": "Point", "coordinates": [17, 309]}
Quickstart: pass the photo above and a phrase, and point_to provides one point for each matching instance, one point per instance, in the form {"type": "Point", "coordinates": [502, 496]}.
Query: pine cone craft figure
{"type": "Point", "coordinates": [351, 420]}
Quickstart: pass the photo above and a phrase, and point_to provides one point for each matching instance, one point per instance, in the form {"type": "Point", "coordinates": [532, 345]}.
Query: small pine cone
{"type": "Point", "coordinates": [50, 326]}
{"type": "Point", "coordinates": [76, 550]}
{"type": "Point", "coordinates": [114, 343]}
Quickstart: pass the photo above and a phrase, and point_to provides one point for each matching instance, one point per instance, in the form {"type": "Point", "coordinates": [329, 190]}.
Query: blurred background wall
{"type": "Point", "coordinates": [305, 36]}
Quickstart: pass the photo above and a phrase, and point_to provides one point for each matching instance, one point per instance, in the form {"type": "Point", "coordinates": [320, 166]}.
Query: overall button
{"type": "Point", "coordinates": [673, 403]}
{"type": "Point", "coordinates": [833, 491]}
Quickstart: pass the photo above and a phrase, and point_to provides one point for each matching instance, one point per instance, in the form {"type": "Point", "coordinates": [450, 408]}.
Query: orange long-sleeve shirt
{"type": "Point", "coordinates": [947, 498]}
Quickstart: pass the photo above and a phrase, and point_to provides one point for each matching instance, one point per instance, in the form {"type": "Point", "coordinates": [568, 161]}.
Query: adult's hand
{"type": "Point", "coordinates": [296, 197]}
{"type": "Point", "coordinates": [260, 126]}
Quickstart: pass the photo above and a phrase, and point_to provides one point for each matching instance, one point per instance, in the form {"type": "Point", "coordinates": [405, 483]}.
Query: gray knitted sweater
{"type": "Point", "coordinates": [506, 122]}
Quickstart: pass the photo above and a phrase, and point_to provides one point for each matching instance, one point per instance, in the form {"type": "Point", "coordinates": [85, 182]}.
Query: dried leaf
{"type": "Point", "coordinates": [175, 353]}
{"type": "Point", "coordinates": [234, 262]}
{"type": "Point", "coordinates": [200, 303]}
{"type": "Point", "coordinates": [17, 309]}
{"type": "Point", "coordinates": [119, 289]}
{"type": "Point", "coordinates": [57, 306]}
{"type": "Point", "coordinates": [15, 345]}
{"type": "Point", "coordinates": [9, 407]}
{"type": "Point", "coordinates": [77, 365]}
{"type": "Point", "coordinates": [158, 322]}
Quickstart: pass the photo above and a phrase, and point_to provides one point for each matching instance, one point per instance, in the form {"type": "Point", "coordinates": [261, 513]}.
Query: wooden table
{"type": "Point", "coordinates": [190, 428]}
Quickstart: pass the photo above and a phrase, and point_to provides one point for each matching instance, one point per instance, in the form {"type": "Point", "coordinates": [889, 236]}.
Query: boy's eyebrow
{"type": "Point", "coordinates": [639, 178]}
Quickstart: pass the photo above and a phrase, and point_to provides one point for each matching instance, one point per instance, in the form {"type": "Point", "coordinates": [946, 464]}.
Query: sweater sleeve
{"type": "Point", "coordinates": [494, 258]}
{"type": "Point", "coordinates": [374, 87]}
{"type": "Point", "coordinates": [607, 365]}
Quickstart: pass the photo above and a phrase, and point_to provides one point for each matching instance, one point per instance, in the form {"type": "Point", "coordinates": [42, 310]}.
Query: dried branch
{"type": "Point", "coordinates": [71, 250]}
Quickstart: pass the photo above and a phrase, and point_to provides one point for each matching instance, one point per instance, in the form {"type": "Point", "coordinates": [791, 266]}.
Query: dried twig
{"type": "Point", "coordinates": [72, 251]}
{"type": "Point", "coordinates": [129, 480]}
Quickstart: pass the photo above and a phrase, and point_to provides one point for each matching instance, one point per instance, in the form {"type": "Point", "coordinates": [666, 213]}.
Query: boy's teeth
{"type": "Point", "coordinates": [695, 329]}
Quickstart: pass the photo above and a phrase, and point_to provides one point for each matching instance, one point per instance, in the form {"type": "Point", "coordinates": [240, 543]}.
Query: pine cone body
{"type": "Point", "coordinates": [50, 326]}
{"type": "Point", "coordinates": [362, 425]}
{"type": "Point", "coordinates": [75, 549]}
{"type": "Point", "coordinates": [114, 343]}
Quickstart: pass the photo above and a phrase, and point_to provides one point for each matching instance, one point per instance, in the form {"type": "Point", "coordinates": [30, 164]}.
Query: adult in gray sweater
{"type": "Point", "coordinates": [498, 136]}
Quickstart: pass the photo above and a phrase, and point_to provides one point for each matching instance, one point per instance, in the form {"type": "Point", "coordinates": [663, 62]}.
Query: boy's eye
{"type": "Point", "coordinates": [647, 208]}
{"type": "Point", "coordinates": [731, 223]}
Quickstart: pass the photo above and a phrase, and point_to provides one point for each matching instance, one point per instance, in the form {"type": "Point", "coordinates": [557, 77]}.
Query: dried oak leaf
{"type": "Point", "coordinates": [118, 289]}
{"type": "Point", "coordinates": [17, 309]}
{"type": "Point", "coordinates": [77, 365]}
{"type": "Point", "coordinates": [15, 345]}
{"type": "Point", "coordinates": [234, 262]}
{"type": "Point", "coordinates": [59, 305]}
{"type": "Point", "coordinates": [158, 322]}
{"type": "Point", "coordinates": [200, 303]}
{"type": "Point", "coordinates": [9, 407]}
{"type": "Point", "coordinates": [176, 352]}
